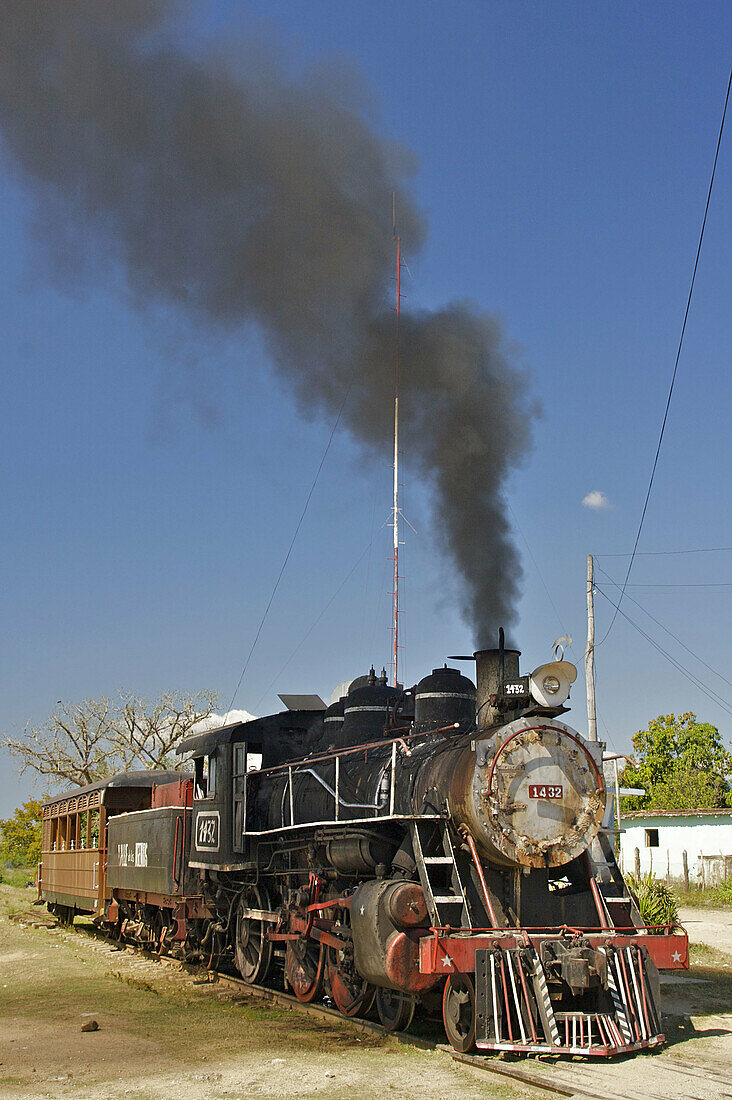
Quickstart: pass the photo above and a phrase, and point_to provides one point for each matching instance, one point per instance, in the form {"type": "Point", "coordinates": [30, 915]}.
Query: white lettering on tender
{"type": "Point", "coordinates": [127, 856]}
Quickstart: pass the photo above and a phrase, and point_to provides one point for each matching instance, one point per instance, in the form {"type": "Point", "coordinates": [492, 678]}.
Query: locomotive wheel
{"type": "Point", "coordinates": [158, 930]}
{"type": "Point", "coordinates": [304, 969]}
{"type": "Point", "coordinates": [252, 948]}
{"type": "Point", "coordinates": [395, 1009]}
{"type": "Point", "coordinates": [352, 994]}
{"type": "Point", "coordinates": [192, 946]}
{"type": "Point", "coordinates": [458, 1012]}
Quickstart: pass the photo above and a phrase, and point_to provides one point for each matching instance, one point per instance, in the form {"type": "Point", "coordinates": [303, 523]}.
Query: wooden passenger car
{"type": "Point", "coordinates": [72, 871]}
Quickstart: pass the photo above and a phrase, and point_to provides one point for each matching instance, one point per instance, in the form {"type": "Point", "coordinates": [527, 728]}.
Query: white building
{"type": "Point", "coordinates": [662, 840]}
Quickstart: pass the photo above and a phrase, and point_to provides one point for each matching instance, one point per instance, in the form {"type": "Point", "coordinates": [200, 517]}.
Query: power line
{"type": "Point", "coordinates": [709, 692]}
{"type": "Point", "coordinates": [676, 364]}
{"type": "Point", "coordinates": [289, 550]}
{"type": "Point", "coordinates": [703, 584]}
{"type": "Point", "coordinates": [362, 638]}
{"type": "Point", "coordinates": [555, 609]}
{"type": "Point", "coordinates": [316, 620]}
{"type": "Point", "coordinates": [666, 629]}
{"type": "Point", "coordinates": [538, 571]}
{"type": "Point", "coordinates": [665, 553]}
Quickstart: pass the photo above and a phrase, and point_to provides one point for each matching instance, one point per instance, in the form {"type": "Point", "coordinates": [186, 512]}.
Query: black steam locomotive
{"type": "Point", "coordinates": [442, 847]}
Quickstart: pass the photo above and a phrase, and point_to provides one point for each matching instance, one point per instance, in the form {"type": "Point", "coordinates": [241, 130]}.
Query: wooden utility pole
{"type": "Point", "coordinates": [590, 652]}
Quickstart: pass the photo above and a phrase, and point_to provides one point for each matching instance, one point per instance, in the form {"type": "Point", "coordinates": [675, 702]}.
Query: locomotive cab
{"type": "Point", "coordinates": [222, 759]}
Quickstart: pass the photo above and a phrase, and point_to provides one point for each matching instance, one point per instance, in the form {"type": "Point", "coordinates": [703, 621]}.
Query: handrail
{"type": "Point", "coordinates": [301, 767]}
{"type": "Point", "coordinates": [319, 758]}
{"type": "Point", "coordinates": [336, 795]}
{"type": "Point", "coordinates": [176, 875]}
{"type": "Point", "coordinates": [465, 832]}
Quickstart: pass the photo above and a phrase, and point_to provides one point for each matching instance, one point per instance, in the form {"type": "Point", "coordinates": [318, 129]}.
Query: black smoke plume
{"type": "Point", "coordinates": [250, 197]}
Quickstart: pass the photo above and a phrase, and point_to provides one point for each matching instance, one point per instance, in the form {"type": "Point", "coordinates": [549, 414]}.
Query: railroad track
{"type": "Point", "coordinates": [645, 1077]}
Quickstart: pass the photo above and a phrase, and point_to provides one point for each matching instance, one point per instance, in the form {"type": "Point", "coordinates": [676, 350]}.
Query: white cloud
{"type": "Point", "coordinates": [215, 721]}
{"type": "Point", "coordinates": [596, 499]}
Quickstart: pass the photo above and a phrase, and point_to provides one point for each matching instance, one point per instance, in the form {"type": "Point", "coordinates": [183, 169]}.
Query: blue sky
{"type": "Point", "coordinates": [152, 475]}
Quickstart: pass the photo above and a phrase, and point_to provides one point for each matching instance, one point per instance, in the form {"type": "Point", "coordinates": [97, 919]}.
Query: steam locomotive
{"type": "Point", "coordinates": [445, 848]}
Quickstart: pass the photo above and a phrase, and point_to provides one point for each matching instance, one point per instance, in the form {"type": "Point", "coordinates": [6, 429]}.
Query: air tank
{"type": "Point", "coordinates": [332, 725]}
{"type": "Point", "coordinates": [443, 698]}
{"type": "Point", "coordinates": [366, 709]}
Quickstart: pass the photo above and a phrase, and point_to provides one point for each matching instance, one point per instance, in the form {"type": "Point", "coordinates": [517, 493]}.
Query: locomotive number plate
{"type": "Point", "coordinates": [207, 831]}
{"type": "Point", "coordinates": [537, 790]}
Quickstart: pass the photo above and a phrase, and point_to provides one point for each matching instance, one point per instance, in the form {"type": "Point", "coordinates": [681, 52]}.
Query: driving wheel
{"type": "Point", "coordinates": [352, 994]}
{"type": "Point", "coordinates": [458, 1012]}
{"type": "Point", "coordinates": [395, 1009]}
{"type": "Point", "coordinates": [304, 960]}
{"type": "Point", "coordinates": [252, 948]}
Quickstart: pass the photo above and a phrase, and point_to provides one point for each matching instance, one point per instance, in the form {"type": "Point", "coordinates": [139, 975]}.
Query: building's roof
{"type": "Point", "coordinates": [636, 815]}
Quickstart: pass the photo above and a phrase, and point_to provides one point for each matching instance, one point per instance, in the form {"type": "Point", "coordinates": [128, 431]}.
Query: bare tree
{"type": "Point", "coordinates": [148, 734]}
{"type": "Point", "coordinates": [83, 742]}
{"type": "Point", "coordinates": [72, 744]}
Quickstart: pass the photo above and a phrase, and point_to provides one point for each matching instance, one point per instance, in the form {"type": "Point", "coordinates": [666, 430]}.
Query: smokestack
{"type": "Point", "coordinates": [241, 196]}
{"type": "Point", "coordinates": [492, 668]}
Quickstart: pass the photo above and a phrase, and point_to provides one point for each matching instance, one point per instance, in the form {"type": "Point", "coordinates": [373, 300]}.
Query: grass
{"type": "Point", "coordinates": [711, 897]}
{"type": "Point", "coordinates": [701, 954]}
{"type": "Point", "coordinates": [17, 876]}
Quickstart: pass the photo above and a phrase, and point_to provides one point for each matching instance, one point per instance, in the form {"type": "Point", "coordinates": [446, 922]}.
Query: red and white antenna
{"type": "Point", "coordinates": [395, 508]}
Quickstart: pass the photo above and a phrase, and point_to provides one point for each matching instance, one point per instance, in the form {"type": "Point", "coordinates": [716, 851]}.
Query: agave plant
{"type": "Point", "coordinates": [655, 899]}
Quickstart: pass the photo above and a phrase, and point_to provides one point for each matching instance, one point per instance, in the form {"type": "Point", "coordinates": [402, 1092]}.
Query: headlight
{"type": "Point", "coordinates": [550, 683]}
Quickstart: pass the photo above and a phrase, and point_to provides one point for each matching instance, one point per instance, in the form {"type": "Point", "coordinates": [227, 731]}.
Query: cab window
{"type": "Point", "coordinates": [205, 773]}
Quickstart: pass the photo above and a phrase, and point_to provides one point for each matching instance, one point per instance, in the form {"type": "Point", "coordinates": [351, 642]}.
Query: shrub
{"type": "Point", "coordinates": [656, 901]}
{"type": "Point", "coordinates": [722, 893]}
{"type": "Point", "coordinates": [17, 876]}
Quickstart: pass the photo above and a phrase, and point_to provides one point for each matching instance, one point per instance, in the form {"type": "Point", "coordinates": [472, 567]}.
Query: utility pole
{"type": "Point", "coordinates": [590, 652]}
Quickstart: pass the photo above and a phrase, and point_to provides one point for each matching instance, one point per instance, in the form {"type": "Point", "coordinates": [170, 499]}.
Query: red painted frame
{"type": "Point", "coordinates": [444, 952]}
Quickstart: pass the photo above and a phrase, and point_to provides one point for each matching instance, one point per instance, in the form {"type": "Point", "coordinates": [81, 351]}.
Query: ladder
{"type": "Point", "coordinates": [621, 908]}
{"type": "Point", "coordinates": [444, 890]}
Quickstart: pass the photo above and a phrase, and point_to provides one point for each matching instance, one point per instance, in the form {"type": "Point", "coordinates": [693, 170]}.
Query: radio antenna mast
{"type": "Point", "coordinates": [395, 508]}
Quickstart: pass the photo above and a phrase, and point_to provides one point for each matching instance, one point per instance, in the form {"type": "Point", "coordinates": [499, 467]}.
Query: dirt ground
{"type": "Point", "coordinates": [712, 927]}
{"type": "Point", "coordinates": [162, 1033]}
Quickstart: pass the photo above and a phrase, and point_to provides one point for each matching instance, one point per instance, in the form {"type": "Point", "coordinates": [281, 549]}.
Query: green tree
{"type": "Point", "coordinates": [20, 835]}
{"type": "Point", "coordinates": [681, 764]}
